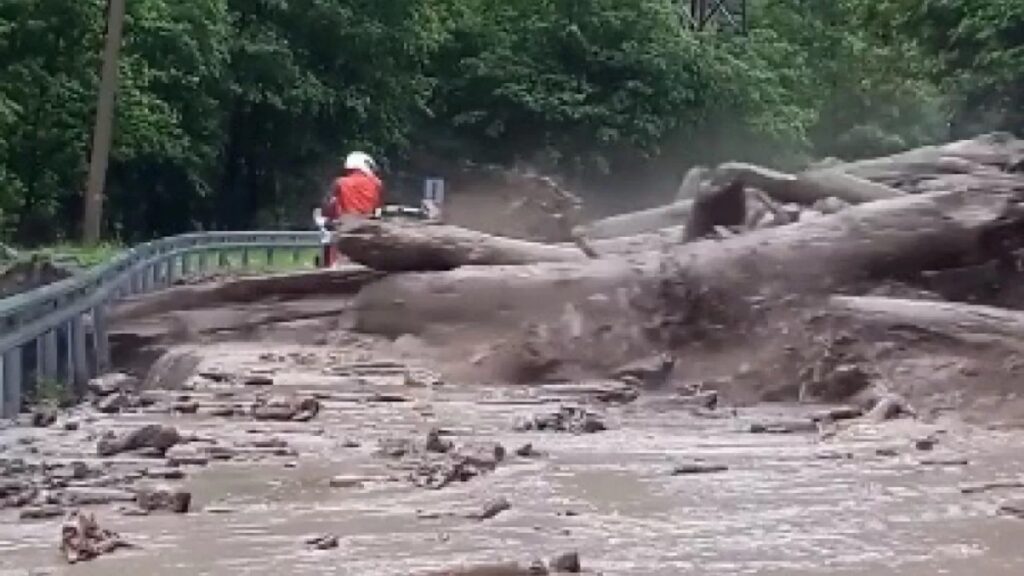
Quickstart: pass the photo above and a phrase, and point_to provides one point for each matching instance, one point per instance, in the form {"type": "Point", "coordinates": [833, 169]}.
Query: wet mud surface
{"type": "Point", "coordinates": [664, 490]}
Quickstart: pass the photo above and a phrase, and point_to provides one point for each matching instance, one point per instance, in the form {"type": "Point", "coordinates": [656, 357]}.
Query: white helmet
{"type": "Point", "coordinates": [361, 161]}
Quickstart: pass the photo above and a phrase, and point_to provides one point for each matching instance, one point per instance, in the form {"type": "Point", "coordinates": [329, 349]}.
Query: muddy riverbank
{"type": "Point", "coordinates": [665, 489]}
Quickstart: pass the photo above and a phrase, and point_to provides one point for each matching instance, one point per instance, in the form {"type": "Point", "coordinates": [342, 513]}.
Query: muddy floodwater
{"type": "Point", "coordinates": [864, 501]}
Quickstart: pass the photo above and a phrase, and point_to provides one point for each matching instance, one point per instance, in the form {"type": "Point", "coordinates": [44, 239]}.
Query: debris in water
{"type": "Point", "coordinates": [568, 563]}
{"type": "Point", "coordinates": [492, 509]}
{"type": "Point", "coordinates": [301, 409]}
{"type": "Point", "coordinates": [83, 539]}
{"type": "Point", "coordinates": [155, 436]}
{"type": "Point", "coordinates": [324, 542]}
{"type": "Point", "coordinates": [164, 499]}
{"type": "Point", "coordinates": [567, 419]}
{"type": "Point", "coordinates": [697, 467]}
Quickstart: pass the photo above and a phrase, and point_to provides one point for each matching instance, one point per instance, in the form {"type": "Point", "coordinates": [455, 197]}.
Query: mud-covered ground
{"type": "Point", "coordinates": [665, 490]}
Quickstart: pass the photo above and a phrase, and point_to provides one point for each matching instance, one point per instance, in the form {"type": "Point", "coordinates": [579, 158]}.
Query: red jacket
{"type": "Point", "coordinates": [355, 193]}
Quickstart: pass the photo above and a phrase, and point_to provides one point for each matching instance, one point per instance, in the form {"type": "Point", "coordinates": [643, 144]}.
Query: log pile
{"type": "Point", "coordinates": [737, 245]}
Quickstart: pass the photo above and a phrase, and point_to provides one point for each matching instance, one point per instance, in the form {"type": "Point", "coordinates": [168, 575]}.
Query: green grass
{"type": "Point", "coordinates": [82, 256]}
{"type": "Point", "coordinates": [87, 257]}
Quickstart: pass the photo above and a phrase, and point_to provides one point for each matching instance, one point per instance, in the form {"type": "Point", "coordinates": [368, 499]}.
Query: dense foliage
{"type": "Point", "coordinates": [234, 113]}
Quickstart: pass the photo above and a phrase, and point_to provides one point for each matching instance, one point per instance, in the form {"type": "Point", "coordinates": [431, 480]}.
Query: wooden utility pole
{"type": "Point", "coordinates": [93, 216]}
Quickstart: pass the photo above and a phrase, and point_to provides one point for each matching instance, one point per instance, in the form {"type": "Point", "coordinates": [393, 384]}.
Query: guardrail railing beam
{"type": "Point", "coordinates": [59, 319]}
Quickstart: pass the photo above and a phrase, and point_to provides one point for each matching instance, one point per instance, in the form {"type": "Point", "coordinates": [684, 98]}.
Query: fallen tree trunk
{"type": "Point", "coordinates": [815, 256]}
{"type": "Point", "coordinates": [965, 323]}
{"type": "Point", "coordinates": [633, 223]}
{"type": "Point", "coordinates": [397, 247]}
{"type": "Point", "coordinates": [344, 281]}
{"type": "Point", "coordinates": [808, 187]}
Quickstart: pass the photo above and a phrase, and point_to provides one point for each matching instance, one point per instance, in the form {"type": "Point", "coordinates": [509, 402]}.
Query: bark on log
{"type": "Point", "coordinates": [871, 240]}
{"type": "Point", "coordinates": [965, 323]}
{"type": "Point", "coordinates": [397, 247]}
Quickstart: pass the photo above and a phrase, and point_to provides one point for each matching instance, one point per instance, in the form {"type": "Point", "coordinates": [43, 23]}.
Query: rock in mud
{"type": "Point", "coordinates": [191, 407]}
{"type": "Point", "coordinates": [567, 419]}
{"type": "Point", "coordinates": [395, 447]}
{"type": "Point", "coordinates": [325, 542]}
{"type": "Point", "coordinates": [164, 499]}
{"type": "Point", "coordinates": [436, 444]}
{"type": "Point", "coordinates": [112, 383]}
{"type": "Point", "coordinates": [697, 467]}
{"type": "Point", "coordinates": [112, 403]}
{"type": "Point", "coordinates": [836, 384]}
{"type": "Point", "coordinates": [436, 471]}
{"type": "Point", "coordinates": [82, 538]}
{"type": "Point", "coordinates": [492, 508]}
{"type": "Point", "coordinates": [286, 409]}
{"type": "Point", "coordinates": [568, 563]}
{"type": "Point", "coordinates": [44, 416]}
{"type": "Point", "coordinates": [153, 436]}
{"type": "Point", "coordinates": [185, 456]}
{"type": "Point", "coordinates": [926, 444]}
{"type": "Point", "coordinates": [1014, 508]}
{"type": "Point", "coordinates": [651, 372]}
{"type": "Point", "coordinates": [527, 451]}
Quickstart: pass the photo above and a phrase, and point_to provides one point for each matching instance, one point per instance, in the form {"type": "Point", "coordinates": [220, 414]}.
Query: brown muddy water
{"type": "Point", "coordinates": [864, 502]}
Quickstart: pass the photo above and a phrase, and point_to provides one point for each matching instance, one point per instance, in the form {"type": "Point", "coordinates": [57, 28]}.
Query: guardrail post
{"type": "Point", "coordinates": [101, 336]}
{"type": "Point", "coordinates": [296, 255]}
{"type": "Point", "coordinates": [186, 265]}
{"type": "Point", "coordinates": [46, 357]}
{"type": "Point", "coordinates": [270, 257]}
{"type": "Point", "coordinates": [79, 359]}
{"type": "Point", "coordinates": [148, 277]}
{"type": "Point", "coordinates": [204, 263]}
{"type": "Point", "coordinates": [11, 383]}
{"type": "Point", "coordinates": [134, 282]}
{"type": "Point", "coordinates": [245, 258]}
{"type": "Point", "coordinates": [222, 259]}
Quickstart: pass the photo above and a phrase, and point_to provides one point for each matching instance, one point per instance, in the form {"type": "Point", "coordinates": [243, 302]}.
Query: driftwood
{"type": "Point", "coordinates": [990, 153]}
{"type": "Point", "coordinates": [808, 187]}
{"type": "Point", "coordinates": [398, 247]}
{"type": "Point", "coordinates": [633, 223]}
{"type": "Point", "coordinates": [964, 323]}
{"type": "Point", "coordinates": [815, 256]}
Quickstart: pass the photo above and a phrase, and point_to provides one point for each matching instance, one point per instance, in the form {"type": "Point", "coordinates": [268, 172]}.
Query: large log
{"type": "Point", "coordinates": [643, 221]}
{"type": "Point", "coordinates": [979, 157]}
{"type": "Point", "coordinates": [808, 187]}
{"type": "Point", "coordinates": [957, 322]}
{"type": "Point", "coordinates": [871, 240]}
{"type": "Point", "coordinates": [398, 247]}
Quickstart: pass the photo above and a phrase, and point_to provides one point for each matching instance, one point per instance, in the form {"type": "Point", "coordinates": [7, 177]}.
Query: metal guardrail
{"type": "Point", "coordinates": [65, 323]}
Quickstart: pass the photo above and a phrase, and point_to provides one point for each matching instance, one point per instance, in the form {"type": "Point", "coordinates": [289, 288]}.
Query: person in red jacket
{"type": "Point", "coordinates": [357, 192]}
